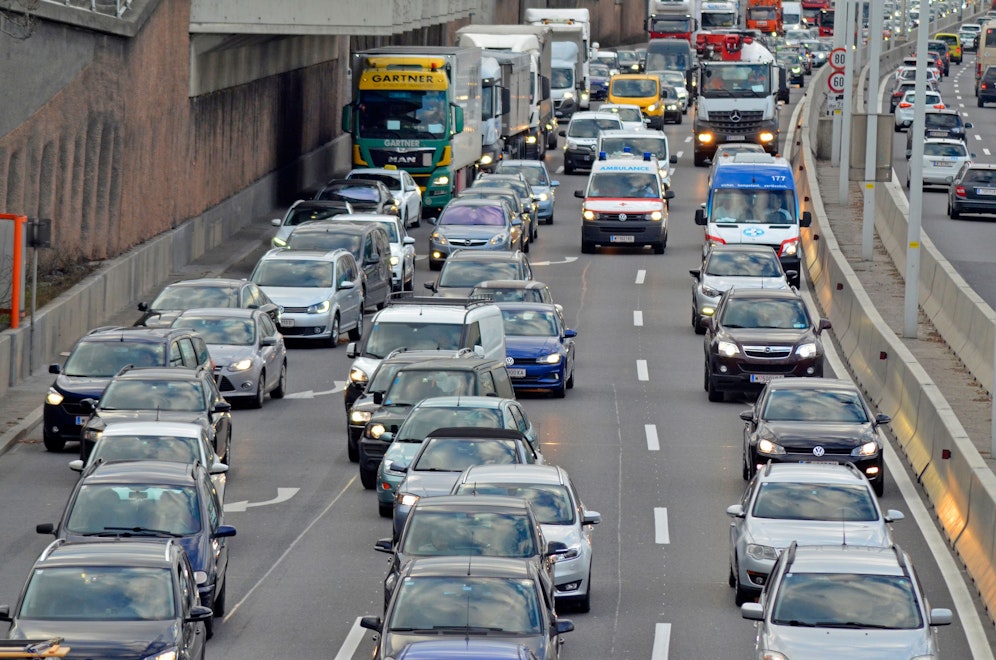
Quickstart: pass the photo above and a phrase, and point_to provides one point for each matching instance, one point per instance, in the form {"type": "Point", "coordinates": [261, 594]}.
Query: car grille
{"type": "Point", "coordinates": [295, 310]}
{"type": "Point", "coordinates": [225, 385]}
{"type": "Point", "coordinates": [523, 361]}
{"type": "Point", "coordinates": [748, 120]}
{"type": "Point", "coordinates": [73, 408]}
{"type": "Point", "coordinates": [768, 352]}
{"type": "Point", "coordinates": [624, 217]}
{"type": "Point", "coordinates": [468, 242]}
{"type": "Point", "coordinates": [302, 331]}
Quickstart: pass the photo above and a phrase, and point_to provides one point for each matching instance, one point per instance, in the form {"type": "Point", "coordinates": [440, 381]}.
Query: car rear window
{"type": "Point", "coordinates": [980, 176]}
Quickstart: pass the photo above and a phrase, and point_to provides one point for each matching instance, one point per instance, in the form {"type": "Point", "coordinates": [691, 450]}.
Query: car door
{"type": "Point", "coordinates": [271, 355]}
{"type": "Point", "coordinates": [412, 197]}
{"type": "Point", "coordinates": [194, 633]}
{"type": "Point", "coordinates": [221, 422]}
{"type": "Point", "coordinates": [524, 425]}
{"type": "Point", "coordinates": [187, 352]}
{"type": "Point", "coordinates": [214, 507]}
{"type": "Point", "coordinates": [373, 260]}
{"type": "Point", "coordinates": [349, 300]}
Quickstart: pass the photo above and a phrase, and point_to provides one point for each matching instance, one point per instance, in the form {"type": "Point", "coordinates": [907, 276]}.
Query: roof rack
{"type": "Point", "coordinates": [407, 298]}
{"type": "Point", "coordinates": [33, 648]}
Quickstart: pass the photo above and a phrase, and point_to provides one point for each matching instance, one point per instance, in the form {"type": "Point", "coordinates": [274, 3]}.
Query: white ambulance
{"type": "Point", "coordinates": [624, 204]}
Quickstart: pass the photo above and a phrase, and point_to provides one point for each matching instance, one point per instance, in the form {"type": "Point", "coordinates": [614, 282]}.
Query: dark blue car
{"type": "Point", "coordinates": [539, 349]}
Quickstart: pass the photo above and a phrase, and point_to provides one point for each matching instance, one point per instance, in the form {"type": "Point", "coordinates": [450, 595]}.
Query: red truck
{"type": "Point", "coordinates": [765, 15]}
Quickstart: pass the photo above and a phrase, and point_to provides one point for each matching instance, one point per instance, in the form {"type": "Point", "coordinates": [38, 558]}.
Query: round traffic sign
{"type": "Point", "coordinates": [837, 59]}
{"type": "Point", "coordinates": [836, 81]}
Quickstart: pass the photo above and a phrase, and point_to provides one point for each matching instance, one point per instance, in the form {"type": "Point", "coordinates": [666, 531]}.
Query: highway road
{"type": "Point", "coordinates": [637, 434]}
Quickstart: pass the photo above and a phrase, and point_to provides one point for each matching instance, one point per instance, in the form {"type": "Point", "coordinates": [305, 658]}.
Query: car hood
{"type": "Point", "coordinates": [530, 347]}
{"type": "Point", "coordinates": [623, 204]}
{"type": "Point", "coordinates": [392, 643]}
{"type": "Point", "coordinates": [226, 354]}
{"type": "Point", "coordinates": [112, 416]}
{"type": "Point", "coordinates": [428, 484]}
{"type": "Point", "coordinates": [806, 435]}
{"type": "Point", "coordinates": [83, 386]}
{"type": "Point", "coordinates": [479, 232]}
{"type": "Point", "coordinates": [780, 533]}
{"type": "Point", "coordinates": [766, 336]}
{"type": "Point", "coordinates": [107, 640]}
{"type": "Point", "coordinates": [297, 296]}
{"type": "Point", "coordinates": [723, 283]}
{"type": "Point", "coordinates": [454, 292]}
{"type": "Point", "coordinates": [570, 535]}
{"type": "Point", "coordinates": [388, 415]}
{"type": "Point", "coordinates": [834, 643]}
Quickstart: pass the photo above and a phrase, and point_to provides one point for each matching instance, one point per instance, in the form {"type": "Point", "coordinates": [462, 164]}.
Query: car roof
{"type": "Point", "coordinates": [141, 472]}
{"type": "Point", "coordinates": [221, 312]}
{"type": "Point", "coordinates": [472, 201]}
{"type": "Point", "coordinates": [764, 294]}
{"type": "Point", "coordinates": [474, 566]}
{"type": "Point", "coordinates": [439, 310]}
{"type": "Point", "coordinates": [183, 429]}
{"type": "Point", "coordinates": [362, 217]}
{"type": "Point", "coordinates": [514, 474]}
{"type": "Point", "coordinates": [815, 472]}
{"type": "Point", "coordinates": [358, 172]}
{"type": "Point", "coordinates": [945, 111]}
{"type": "Point", "coordinates": [158, 373]}
{"type": "Point", "coordinates": [489, 402]}
{"type": "Point", "coordinates": [520, 162]}
{"type": "Point", "coordinates": [471, 502]}
{"type": "Point", "coordinates": [594, 114]}
{"type": "Point", "coordinates": [336, 226]}
{"type": "Point", "coordinates": [937, 140]}
{"type": "Point", "coordinates": [320, 203]}
{"type": "Point", "coordinates": [741, 247]}
{"type": "Point", "coordinates": [131, 334]}
{"type": "Point", "coordinates": [303, 255]}
{"type": "Point", "coordinates": [629, 132]}
{"type": "Point", "coordinates": [534, 306]}
{"type": "Point", "coordinates": [107, 552]}
{"type": "Point", "coordinates": [420, 355]}
{"type": "Point", "coordinates": [502, 256]}
{"type": "Point", "coordinates": [210, 281]}
{"type": "Point", "coordinates": [469, 362]}
{"type": "Point", "coordinates": [812, 384]}
{"type": "Point", "coordinates": [511, 284]}
{"type": "Point", "coordinates": [855, 559]}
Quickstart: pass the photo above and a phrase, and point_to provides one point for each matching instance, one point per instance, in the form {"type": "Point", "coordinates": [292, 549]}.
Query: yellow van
{"type": "Point", "coordinates": [642, 89]}
{"type": "Point", "coordinates": [954, 45]}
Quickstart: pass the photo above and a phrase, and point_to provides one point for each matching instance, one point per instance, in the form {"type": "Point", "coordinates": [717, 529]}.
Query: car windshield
{"type": "Point", "coordinates": [944, 149]}
{"type": "Point", "coordinates": [625, 114]}
{"type": "Point", "coordinates": [189, 297]}
{"type": "Point", "coordinates": [530, 323]}
{"type": "Point", "coordinates": [325, 241]}
{"type": "Point", "coordinates": [229, 331]}
{"type": "Point", "coordinates": [846, 600]}
{"type": "Point", "coordinates": [176, 449]}
{"type": "Point", "coordinates": [460, 603]}
{"type": "Point", "coordinates": [491, 216]}
{"type": "Point", "coordinates": [469, 273]}
{"type": "Point", "coordinates": [384, 376]}
{"type": "Point", "coordinates": [633, 87]}
{"type": "Point", "coordinates": [589, 128]}
{"type": "Point", "coordinates": [814, 405]}
{"type": "Point", "coordinates": [741, 206]}
{"type": "Point", "coordinates": [784, 314]}
{"type": "Point", "coordinates": [412, 385]}
{"type": "Point", "coordinates": [350, 192]}
{"type": "Point", "coordinates": [511, 294]}
{"type": "Point", "coordinates": [393, 183]}
{"type": "Point", "coordinates": [391, 228]}
{"type": "Point", "coordinates": [135, 509]}
{"type": "Point", "coordinates": [448, 533]}
{"type": "Point", "coordinates": [290, 273]}
{"type": "Point", "coordinates": [551, 503]}
{"type": "Point", "coordinates": [620, 184]}
{"type": "Point", "coordinates": [304, 214]}
{"type": "Point", "coordinates": [174, 395]}
{"type": "Point", "coordinates": [814, 501]}
{"type": "Point", "coordinates": [675, 78]}
{"type": "Point", "coordinates": [598, 70]}
{"type": "Point", "coordinates": [535, 176]}
{"type": "Point", "coordinates": [387, 337]}
{"type": "Point", "coordinates": [99, 593]}
{"type": "Point", "coordinates": [743, 264]}
{"type": "Point", "coordinates": [103, 359]}
{"type": "Point", "coordinates": [562, 77]}
{"type": "Point", "coordinates": [424, 420]}
{"type": "Point", "coordinates": [458, 454]}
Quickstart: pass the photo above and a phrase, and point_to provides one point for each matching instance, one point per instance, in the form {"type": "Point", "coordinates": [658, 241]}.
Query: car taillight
{"type": "Point", "coordinates": [904, 104]}
{"type": "Point", "coordinates": [959, 191]}
{"type": "Point", "coordinates": [939, 106]}
{"type": "Point", "coordinates": [984, 86]}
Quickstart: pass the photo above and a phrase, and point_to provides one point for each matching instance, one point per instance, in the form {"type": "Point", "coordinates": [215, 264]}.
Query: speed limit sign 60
{"type": "Point", "coordinates": [837, 59]}
{"type": "Point", "coordinates": [836, 81]}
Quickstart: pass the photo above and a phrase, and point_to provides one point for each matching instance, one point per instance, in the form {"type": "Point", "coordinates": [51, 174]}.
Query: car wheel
{"type": "Point", "coordinates": [356, 333]}
{"type": "Point", "coordinates": [568, 168]}
{"type": "Point", "coordinates": [53, 443]}
{"type": "Point", "coordinates": [383, 303]}
{"type": "Point", "coordinates": [209, 629]}
{"type": "Point", "coordinates": [353, 449]}
{"type": "Point", "coordinates": [587, 247]}
{"type": "Point", "coordinates": [715, 395]}
{"type": "Point", "coordinates": [678, 121]}
{"type": "Point", "coordinates": [525, 247]}
{"type": "Point", "coordinates": [386, 510]}
{"type": "Point", "coordinates": [570, 381]}
{"type": "Point", "coordinates": [435, 265]}
{"type": "Point", "coordinates": [658, 247]}
{"type": "Point", "coordinates": [745, 471]}
{"type": "Point", "coordinates": [368, 478]}
{"type": "Point", "coordinates": [559, 392]}
{"type": "Point", "coordinates": [281, 389]}
{"type": "Point", "coordinates": [700, 160]}
{"type": "Point", "coordinates": [898, 129]}
{"type": "Point", "coordinates": [697, 321]}
{"type": "Point", "coordinates": [980, 103]}
{"type": "Point", "coordinates": [732, 578]}
{"type": "Point", "coordinates": [879, 485]}
{"type": "Point", "coordinates": [954, 213]}
{"type": "Point", "coordinates": [550, 219]}
{"type": "Point", "coordinates": [334, 332]}
{"type": "Point", "coordinates": [257, 401]}
{"type": "Point", "coordinates": [219, 600]}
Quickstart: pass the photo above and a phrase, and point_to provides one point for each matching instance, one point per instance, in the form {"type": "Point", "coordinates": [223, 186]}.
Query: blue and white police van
{"type": "Point", "coordinates": [753, 200]}
{"type": "Point", "coordinates": [624, 204]}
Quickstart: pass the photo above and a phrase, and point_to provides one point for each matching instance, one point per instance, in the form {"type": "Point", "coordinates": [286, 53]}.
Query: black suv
{"type": "Point", "coordinates": [169, 395]}
{"type": "Point", "coordinates": [202, 293]}
{"type": "Point", "coordinates": [973, 190]}
{"type": "Point", "coordinates": [986, 87]}
{"type": "Point", "coordinates": [465, 269]}
{"type": "Point", "coordinates": [153, 499]}
{"type": "Point", "coordinates": [760, 335]}
{"type": "Point", "coordinates": [94, 360]}
{"type": "Point", "coordinates": [364, 195]}
{"type": "Point", "coordinates": [369, 244]}
{"type": "Point", "coordinates": [940, 124]}
{"type": "Point", "coordinates": [106, 596]}
{"type": "Point", "coordinates": [467, 375]}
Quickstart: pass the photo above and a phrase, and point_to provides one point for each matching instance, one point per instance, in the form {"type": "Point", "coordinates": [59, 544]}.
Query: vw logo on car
{"type": "Point", "coordinates": [819, 451]}
{"type": "Point", "coordinates": [509, 361]}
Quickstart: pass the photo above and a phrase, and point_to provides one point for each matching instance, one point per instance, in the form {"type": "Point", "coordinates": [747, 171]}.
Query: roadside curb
{"type": "Point", "coordinates": [20, 430]}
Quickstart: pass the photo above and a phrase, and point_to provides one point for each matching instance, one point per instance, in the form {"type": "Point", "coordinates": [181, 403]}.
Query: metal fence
{"type": "Point", "coordinates": [110, 7]}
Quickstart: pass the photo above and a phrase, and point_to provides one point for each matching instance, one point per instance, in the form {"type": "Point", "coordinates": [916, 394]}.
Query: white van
{"type": "Point", "coordinates": [415, 323]}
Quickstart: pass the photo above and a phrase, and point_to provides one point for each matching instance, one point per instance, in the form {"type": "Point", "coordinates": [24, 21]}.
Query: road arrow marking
{"type": "Point", "coordinates": [566, 260]}
{"type": "Point", "coordinates": [340, 385]}
{"type": "Point", "coordinates": [283, 494]}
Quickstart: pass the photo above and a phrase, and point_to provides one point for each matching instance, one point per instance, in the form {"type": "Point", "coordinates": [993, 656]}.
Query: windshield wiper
{"type": "Point", "coordinates": [796, 623]}
{"type": "Point", "coordinates": [470, 630]}
{"type": "Point", "coordinates": [136, 531]}
{"type": "Point", "coordinates": [851, 624]}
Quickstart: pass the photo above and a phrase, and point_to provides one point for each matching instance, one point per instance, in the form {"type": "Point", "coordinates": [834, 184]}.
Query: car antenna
{"type": "Point", "coordinates": [843, 528]}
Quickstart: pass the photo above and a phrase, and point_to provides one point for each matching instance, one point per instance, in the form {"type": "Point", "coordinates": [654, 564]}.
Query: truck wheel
{"type": "Point", "coordinates": [658, 247]}
{"type": "Point", "coordinates": [587, 247]}
{"type": "Point", "coordinates": [551, 140]}
{"type": "Point", "coordinates": [700, 159]}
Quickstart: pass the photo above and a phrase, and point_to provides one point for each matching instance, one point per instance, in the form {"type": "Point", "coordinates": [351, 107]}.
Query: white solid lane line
{"type": "Point", "coordinates": [653, 444]}
{"type": "Point", "coordinates": [352, 641]}
{"type": "Point", "coordinates": [641, 370]}
{"type": "Point", "coordinates": [641, 275]}
{"type": "Point", "coordinates": [637, 318]}
{"type": "Point", "coordinates": [661, 534]}
{"type": "Point", "coordinates": [662, 641]}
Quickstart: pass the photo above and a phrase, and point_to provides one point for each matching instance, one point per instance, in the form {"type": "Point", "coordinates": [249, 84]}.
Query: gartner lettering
{"type": "Point", "coordinates": [417, 78]}
{"type": "Point", "coordinates": [402, 143]}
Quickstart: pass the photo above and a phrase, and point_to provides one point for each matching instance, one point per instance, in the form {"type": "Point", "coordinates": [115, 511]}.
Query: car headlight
{"type": "Point", "coordinates": [487, 159]}
{"type": "Point", "coordinates": [438, 238]}
{"type": "Point", "coordinates": [530, 139]}
{"type": "Point", "coordinates": [867, 449]}
{"type": "Point", "coordinates": [766, 136]}
{"type": "Point", "coordinates": [571, 144]}
{"type": "Point", "coordinates": [499, 239]}
{"type": "Point", "coordinates": [710, 292]}
{"type": "Point", "coordinates": [573, 552]}
{"type": "Point", "coordinates": [93, 435]}
{"type": "Point", "coordinates": [279, 242]}
{"type": "Point", "coordinates": [543, 197]}
{"type": "Point", "coordinates": [375, 431]}
{"type": "Point", "coordinates": [765, 446]}
{"type": "Point", "coordinates": [790, 249]}
{"type": "Point", "coordinates": [395, 260]}
{"type": "Point", "coordinates": [241, 365]}
{"type": "Point", "coordinates": [588, 215]}
{"type": "Point", "coordinates": [672, 106]}
{"type": "Point", "coordinates": [169, 654]}
{"type": "Point", "coordinates": [357, 376]}
{"type": "Point", "coordinates": [406, 499]}
{"type": "Point", "coordinates": [656, 216]}
{"type": "Point", "coordinates": [320, 308]}
{"type": "Point", "coordinates": [552, 358]}
{"type": "Point", "coordinates": [797, 69]}
{"type": "Point", "coordinates": [651, 107]}
{"type": "Point", "coordinates": [568, 96]}
{"type": "Point", "coordinates": [727, 348]}
{"type": "Point", "coordinates": [441, 180]}
{"type": "Point", "coordinates": [761, 552]}
{"type": "Point", "coordinates": [806, 351]}
{"type": "Point", "coordinates": [53, 398]}
{"type": "Point", "coordinates": [359, 416]}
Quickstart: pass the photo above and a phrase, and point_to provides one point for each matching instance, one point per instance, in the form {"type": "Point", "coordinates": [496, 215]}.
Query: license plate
{"type": "Point", "coordinates": [736, 138]}
{"type": "Point", "coordinates": [622, 239]}
{"type": "Point", "coordinates": [516, 373]}
{"type": "Point", "coordinates": [764, 378]}
{"type": "Point", "coordinates": [937, 133]}
{"type": "Point", "coordinates": [985, 191]}
{"type": "Point", "coordinates": [586, 158]}
{"type": "Point", "coordinates": [80, 420]}
{"type": "Point", "coordinates": [941, 163]}
{"type": "Point", "coordinates": [287, 323]}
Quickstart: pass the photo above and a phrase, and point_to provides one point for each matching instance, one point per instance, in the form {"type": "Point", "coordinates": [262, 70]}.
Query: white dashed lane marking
{"type": "Point", "coordinates": [641, 370]}
{"type": "Point", "coordinates": [653, 443]}
{"type": "Point", "coordinates": [641, 275]}
{"type": "Point", "coordinates": [637, 318]}
{"type": "Point", "coordinates": [661, 534]}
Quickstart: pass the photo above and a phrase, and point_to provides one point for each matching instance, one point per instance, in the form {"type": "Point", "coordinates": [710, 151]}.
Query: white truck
{"type": "Point", "coordinates": [572, 19]}
{"type": "Point", "coordinates": [566, 84]}
{"type": "Point", "coordinates": [505, 106]}
{"type": "Point", "coordinates": [536, 41]}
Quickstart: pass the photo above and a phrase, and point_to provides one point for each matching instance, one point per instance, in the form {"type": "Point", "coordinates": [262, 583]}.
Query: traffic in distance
{"type": "Point", "coordinates": [520, 512]}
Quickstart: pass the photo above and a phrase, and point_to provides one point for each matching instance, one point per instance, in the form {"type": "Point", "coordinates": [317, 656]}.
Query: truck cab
{"type": "Point", "coordinates": [753, 200]}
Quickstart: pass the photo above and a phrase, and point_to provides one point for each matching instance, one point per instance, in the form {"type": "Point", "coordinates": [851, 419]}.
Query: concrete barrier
{"type": "Point", "coordinates": [978, 541]}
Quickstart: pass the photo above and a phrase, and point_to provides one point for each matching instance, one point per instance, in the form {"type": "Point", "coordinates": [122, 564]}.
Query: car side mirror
{"type": "Point", "coordinates": [807, 219]}
{"type": "Point", "coordinates": [268, 341]}
{"type": "Point", "coordinates": [143, 306]}
{"type": "Point", "coordinates": [387, 437]}
{"type": "Point", "coordinates": [275, 222]}
{"type": "Point", "coordinates": [824, 325]}
{"type": "Point", "coordinates": [45, 528]}
{"type": "Point", "coordinates": [591, 518]}
{"type": "Point", "coordinates": [516, 221]}
{"type": "Point", "coordinates": [579, 194]}
{"type": "Point", "coordinates": [735, 511]}
{"type": "Point", "coordinates": [222, 407]}
{"type": "Point", "coordinates": [562, 133]}
{"type": "Point", "coordinates": [431, 286]}
{"type": "Point", "coordinates": [673, 159]}
{"type": "Point", "coordinates": [968, 124]}
{"type": "Point", "coordinates": [752, 611]}
{"type": "Point", "coordinates": [351, 351]}
{"type": "Point", "coordinates": [54, 368]}
{"type": "Point", "coordinates": [372, 259]}
{"type": "Point", "coordinates": [5, 613]}
{"type": "Point", "coordinates": [384, 545]}
{"type": "Point", "coordinates": [554, 548]}
{"type": "Point", "coordinates": [77, 465]}
{"type": "Point", "coordinates": [88, 405]}
{"type": "Point", "coordinates": [408, 240]}
{"type": "Point", "coordinates": [700, 217]}
{"type": "Point", "coordinates": [371, 623]}
{"type": "Point", "coordinates": [566, 625]}
{"type": "Point", "coordinates": [396, 466]}
{"type": "Point", "coordinates": [894, 515]}
{"type": "Point", "coordinates": [669, 194]}
{"type": "Point", "coordinates": [940, 616]}
{"type": "Point", "coordinates": [554, 184]}
{"type": "Point", "coordinates": [570, 333]}
{"type": "Point", "coordinates": [347, 284]}
{"type": "Point", "coordinates": [695, 273]}
{"type": "Point", "coordinates": [199, 613]}
{"type": "Point", "coordinates": [433, 220]}
{"type": "Point", "coordinates": [791, 274]}
{"type": "Point", "coordinates": [882, 418]}
{"type": "Point", "coordinates": [747, 415]}
{"type": "Point", "coordinates": [378, 398]}
{"type": "Point", "coordinates": [224, 532]}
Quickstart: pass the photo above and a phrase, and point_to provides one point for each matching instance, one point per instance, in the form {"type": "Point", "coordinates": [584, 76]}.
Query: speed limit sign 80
{"type": "Point", "coordinates": [837, 59]}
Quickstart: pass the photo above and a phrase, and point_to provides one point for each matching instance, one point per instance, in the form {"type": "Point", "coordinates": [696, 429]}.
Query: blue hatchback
{"type": "Point", "coordinates": [539, 349]}
{"type": "Point", "coordinates": [539, 181]}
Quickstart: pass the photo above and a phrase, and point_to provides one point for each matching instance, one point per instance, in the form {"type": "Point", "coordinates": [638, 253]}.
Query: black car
{"type": "Point", "coordinates": [369, 244]}
{"type": "Point", "coordinates": [672, 106]}
{"type": "Point", "coordinates": [453, 597]}
{"type": "Point", "coordinates": [140, 394]}
{"type": "Point", "coordinates": [985, 90]}
{"type": "Point", "coordinates": [112, 599]}
{"type": "Point", "coordinates": [973, 190]}
{"type": "Point", "coordinates": [465, 269]}
{"type": "Point", "coordinates": [202, 293]}
{"type": "Point", "coordinates": [814, 419]}
{"type": "Point", "coordinates": [94, 360]}
{"type": "Point", "coordinates": [364, 195]}
{"type": "Point", "coordinates": [940, 124]}
{"type": "Point", "coordinates": [757, 336]}
{"type": "Point", "coordinates": [467, 375]}
{"type": "Point", "coordinates": [463, 525]}
{"type": "Point", "coordinates": [154, 499]}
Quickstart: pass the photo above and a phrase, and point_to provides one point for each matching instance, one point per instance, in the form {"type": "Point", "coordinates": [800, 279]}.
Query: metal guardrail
{"type": "Point", "coordinates": [111, 7]}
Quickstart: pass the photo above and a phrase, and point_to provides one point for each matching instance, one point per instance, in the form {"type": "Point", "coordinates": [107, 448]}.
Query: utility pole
{"type": "Point", "coordinates": [873, 103]}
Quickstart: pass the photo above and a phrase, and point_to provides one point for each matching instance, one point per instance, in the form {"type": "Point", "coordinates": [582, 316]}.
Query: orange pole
{"type": "Point", "coordinates": [15, 289]}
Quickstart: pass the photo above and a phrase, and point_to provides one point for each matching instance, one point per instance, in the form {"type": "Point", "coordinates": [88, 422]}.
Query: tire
{"type": "Point", "coordinates": [700, 159]}
{"type": "Point", "coordinates": [368, 479]}
{"type": "Point", "coordinates": [219, 601]}
{"type": "Point", "coordinates": [587, 247]}
{"type": "Point", "coordinates": [568, 168]}
{"type": "Point", "coordinates": [281, 389]}
{"type": "Point", "coordinates": [898, 129]}
{"type": "Point", "coordinates": [658, 247]}
{"type": "Point", "coordinates": [879, 485]}
{"type": "Point", "coordinates": [53, 443]}
{"type": "Point", "coordinates": [353, 449]}
{"type": "Point", "coordinates": [559, 392]}
{"type": "Point", "coordinates": [745, 468]}
{"type": "Point", "coordinates": [435, 265]}
{"type": "Point", "coordinates": [385, 510]}
{"type": "Point", "coordinates": [550, 221]}
{"type": "Point", "coordinates": [334, 332]}
{"type": "Point", "coordinates": [697, 323]}
{"type": "Point", "coordinates": [732, 578]}
{"type": "Point", "coordinates": [980, 103]}
{"type": "Point", "coordinates": [570, 381]}
{"type": "Point", "coordinates": [954, 213]}
{"type": "Point", "coordinates": [356, 333]}
{"type": "Point", "coordinates": [257, 401]}
{"type": "Point", "coordinates": [678, 120]}
{"type": "Point", "coordinates": [525, 246]}
{"type": "Point", "coordinates": [715, 395]}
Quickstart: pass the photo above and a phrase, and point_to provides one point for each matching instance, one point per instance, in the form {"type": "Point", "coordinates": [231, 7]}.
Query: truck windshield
{"type": "Point", "coordinates": [761, 207]}
{"type": "Point", "coordinates": [712, 20]}
{"type": "Point", "coordinates": [412, 114]}
{"type": "Point", "coordinates": [737, 80]}
{"type": "Point", "coordinates": [562, 78]}
{"type": "Point", "coordinates": [761, 13]}
{"type": "Point", "coordinates": [675, 25]}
